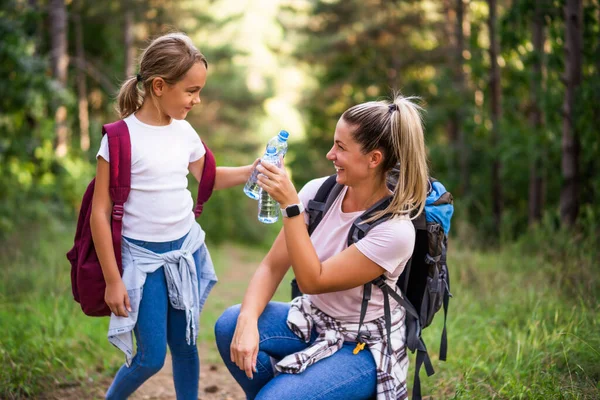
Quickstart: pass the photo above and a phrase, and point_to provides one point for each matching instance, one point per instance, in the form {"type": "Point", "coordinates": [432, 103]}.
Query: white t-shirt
{"type": "Point", "coordinates": [389, 244]}
{"type": "Point", "coordinates": [159, 207]}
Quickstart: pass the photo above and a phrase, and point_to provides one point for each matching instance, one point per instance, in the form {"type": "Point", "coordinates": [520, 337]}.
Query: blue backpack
{"type": "Point", "coordinates": [424, 283]}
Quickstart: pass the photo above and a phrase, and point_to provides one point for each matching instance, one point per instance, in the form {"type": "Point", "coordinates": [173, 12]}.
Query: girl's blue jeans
{"type": "Point", "coordinates": [160, 324]}
{"type": "Point", "coordinates": [342, 375]}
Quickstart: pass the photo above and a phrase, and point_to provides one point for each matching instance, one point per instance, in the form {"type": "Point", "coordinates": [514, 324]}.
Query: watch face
{"type": "Point", "coordinates": [292, 211]}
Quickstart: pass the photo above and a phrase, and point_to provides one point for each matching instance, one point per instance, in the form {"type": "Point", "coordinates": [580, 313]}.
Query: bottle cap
{"type": "Point", "coordinates": [283, 135]}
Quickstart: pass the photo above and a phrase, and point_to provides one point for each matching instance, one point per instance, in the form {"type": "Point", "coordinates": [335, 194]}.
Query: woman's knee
{"type": "Point", "coordinates": [225, 325]}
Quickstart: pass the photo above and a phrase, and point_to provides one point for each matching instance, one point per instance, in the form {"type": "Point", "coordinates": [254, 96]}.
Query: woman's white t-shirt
{"type": "Point", "coordinates": [389, 245]}
{"type": "Point", "coordinates": [160, 206]}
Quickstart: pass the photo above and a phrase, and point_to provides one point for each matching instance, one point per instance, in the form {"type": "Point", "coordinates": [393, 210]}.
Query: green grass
{"type": "Point", "coordinates": [517, 328]}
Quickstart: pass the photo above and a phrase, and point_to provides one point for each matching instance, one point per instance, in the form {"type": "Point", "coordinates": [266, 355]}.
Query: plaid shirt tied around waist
{"type": "Point", "coordinates": [391, 370]}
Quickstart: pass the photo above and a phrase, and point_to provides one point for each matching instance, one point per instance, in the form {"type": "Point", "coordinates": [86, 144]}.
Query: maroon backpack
{"type": "Point", "coordinates": [87, 279]}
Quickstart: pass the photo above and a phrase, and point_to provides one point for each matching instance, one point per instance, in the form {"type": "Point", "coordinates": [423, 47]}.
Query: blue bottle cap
{"type": "Point", "coordinates": [283, 135]}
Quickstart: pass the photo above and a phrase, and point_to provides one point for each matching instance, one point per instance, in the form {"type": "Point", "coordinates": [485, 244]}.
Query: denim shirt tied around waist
{"type": "Point", "coordinates": [186, 291]}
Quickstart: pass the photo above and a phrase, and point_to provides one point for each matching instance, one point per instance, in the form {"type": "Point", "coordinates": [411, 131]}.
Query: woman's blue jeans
{"type": "Point", "coordinates": [160, 324]}
{"type": "Point", "coordinates": [342, 375]}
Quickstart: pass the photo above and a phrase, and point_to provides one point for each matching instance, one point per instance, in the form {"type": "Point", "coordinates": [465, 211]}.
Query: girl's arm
{"type": "Point", "coordinates": [264, 282]}
{"type": "Point", "coordinates": [345, 270]}
{"type": "Point", "coordinates": [226, 177]}
{"type": "Point", "coordinates": [116, 294]}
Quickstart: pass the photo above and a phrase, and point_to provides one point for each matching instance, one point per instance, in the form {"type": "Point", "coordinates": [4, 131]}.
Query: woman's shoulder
{"type": "Point", "coordinates": [400, 226]}
{"type": "Point", "coordinates": [309, 190]}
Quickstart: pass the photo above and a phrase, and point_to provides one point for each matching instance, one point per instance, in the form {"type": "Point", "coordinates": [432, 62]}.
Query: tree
{"type": "Point", "coordinates": [496, 115]}
{"type": "Point", "coordinates": [535, 115]}
{"type": "Point", "coordinates": [82, 102]}
{"type": "Point", "coordinates": [60, 63]}
{"type": "Point", "coordinates": [569, 195]}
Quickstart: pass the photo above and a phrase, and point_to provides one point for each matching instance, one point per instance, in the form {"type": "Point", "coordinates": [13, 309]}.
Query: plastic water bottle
{"type": "Point", "coordinates": [268, 208]}
{"type": "Point", "coordinates": [280, 143]}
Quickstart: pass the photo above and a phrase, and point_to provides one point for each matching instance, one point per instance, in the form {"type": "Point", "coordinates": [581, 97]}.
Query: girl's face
{"type": "Point", "coordinates": [177, 100]}
{"type": "Point", "coordinates": [350, 163]}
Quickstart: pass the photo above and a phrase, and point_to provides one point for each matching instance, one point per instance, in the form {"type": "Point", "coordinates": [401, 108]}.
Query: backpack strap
{"type": "Point", "coordinates": [414, 342]}
{"type": "Point", "coordinates": [321, 203]}
{"type": "Point", "coordinates": [119, 149]}
{"type": "Point", "coordinates": [207, 181]}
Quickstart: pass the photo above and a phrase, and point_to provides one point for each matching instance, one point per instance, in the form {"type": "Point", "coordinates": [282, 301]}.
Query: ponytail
{"type": "Point", "coordinates": [129, 98]}
{"type": "Point", "coordinates": [406, 127]}
{"type": "Point", "coordinates": [397, 130]}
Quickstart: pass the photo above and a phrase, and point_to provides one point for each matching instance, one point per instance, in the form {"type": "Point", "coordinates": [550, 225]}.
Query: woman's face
{"type": "Point", "coordinates": [350, 163]}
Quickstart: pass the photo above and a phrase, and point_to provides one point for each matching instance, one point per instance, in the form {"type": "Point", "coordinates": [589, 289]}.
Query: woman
{"type": "Point", "coordinates": [308, 350]}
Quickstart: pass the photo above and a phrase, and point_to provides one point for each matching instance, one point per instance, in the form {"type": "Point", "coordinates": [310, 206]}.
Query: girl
{"type": "Point", "coordinates": [256, 338]}
{"type": "Point", "coordinates": [167, 270]}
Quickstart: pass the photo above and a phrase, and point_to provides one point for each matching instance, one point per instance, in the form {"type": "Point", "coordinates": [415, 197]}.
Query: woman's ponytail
{"type": "Point", "coordinates": [397, 129]}
{"type": "Point", "coordinates": [409, 146]}
{"type": "Point", "coordinates": [129, 98]}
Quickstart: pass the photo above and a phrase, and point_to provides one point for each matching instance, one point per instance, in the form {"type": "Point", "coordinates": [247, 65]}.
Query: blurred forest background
{"type": "Point", "coordinates": [512, 93]}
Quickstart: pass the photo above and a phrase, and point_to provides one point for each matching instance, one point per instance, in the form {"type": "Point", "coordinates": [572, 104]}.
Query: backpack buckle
{"type": "Point", "coordinates": [117, 212]}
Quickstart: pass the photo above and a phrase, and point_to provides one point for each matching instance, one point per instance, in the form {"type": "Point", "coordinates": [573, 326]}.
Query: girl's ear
{"type": "Point", "coordinates": [158, 86]}
{"type": "Point", "coordinates": [375, 158]}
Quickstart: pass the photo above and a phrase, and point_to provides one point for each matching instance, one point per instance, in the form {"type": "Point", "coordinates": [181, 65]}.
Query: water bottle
{"type": "Point", "coordinates": [280, 143]}
{"type": "Point", "coordinates": [268, 208]}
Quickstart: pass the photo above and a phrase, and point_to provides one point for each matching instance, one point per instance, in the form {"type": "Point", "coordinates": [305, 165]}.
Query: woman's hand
{"type": "Point", "coordinates": [117, 299]}
{"type": "Point", "coordinates": [277, 183]}
{"type": "Point", "coordinates": [244, 345]}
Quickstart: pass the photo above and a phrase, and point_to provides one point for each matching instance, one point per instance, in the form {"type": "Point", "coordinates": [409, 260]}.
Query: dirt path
{"type": "Point", "coordinates": [215, 384]}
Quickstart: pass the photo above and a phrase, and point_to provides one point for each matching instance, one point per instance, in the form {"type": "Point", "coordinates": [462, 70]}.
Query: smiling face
{"type": "Point", "coordinates": [175, 101]}
{"type": "Point", "coordinates": [351, 164]}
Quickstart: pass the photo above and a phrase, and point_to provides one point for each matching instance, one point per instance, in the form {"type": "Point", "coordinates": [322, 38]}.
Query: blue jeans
{"type": "Point", "coordinates": [342, 375]}
{"type": "Point", "coordinates": [160, 324]}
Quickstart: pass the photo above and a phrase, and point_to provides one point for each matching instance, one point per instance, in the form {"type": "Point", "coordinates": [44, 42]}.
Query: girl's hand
{"type": "Point", "coordinates": [277, 183]}
{"type": "Point", "coordinates": [117, 299]}
{"type": "Point", "coordinates": [244, 345]}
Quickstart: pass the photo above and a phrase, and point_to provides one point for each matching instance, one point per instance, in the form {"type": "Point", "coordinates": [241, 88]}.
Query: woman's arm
{"type": "Point", "coordinates": [264, 282]}
{"type": "Point", "coordinates": [116, 294]}
{"type": "Point", "coordinates": [347, 269]}
{"type": "Point", "coordinates": [226, 177]}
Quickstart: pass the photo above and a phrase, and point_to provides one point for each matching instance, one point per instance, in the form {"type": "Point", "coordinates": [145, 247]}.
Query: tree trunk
{"type": "Point", "coordinates": [535, 117]}
{"type": "Point", "coordinates": [60, 62]}
{"type": "Point", "coordinates": [569, 194]}
{"type": "Point", "coordinates": [496, 112]}
{"type": "Point", "coordinates": [128, 41]}
{"type": "Point", "coordinates": [84, 121]}
{"type": "Point", "coordinates": [463, 156]}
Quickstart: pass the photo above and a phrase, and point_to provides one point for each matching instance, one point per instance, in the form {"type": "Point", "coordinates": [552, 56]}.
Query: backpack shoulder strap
{"type": "Point", "coordinates": [321, 203]}
{"type": "Point", "coordinates": [119, 148]}
{"type": "Point", "coordinates": [207, 181]}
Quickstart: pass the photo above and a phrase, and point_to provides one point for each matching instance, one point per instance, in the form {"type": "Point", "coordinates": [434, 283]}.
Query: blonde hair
{"type": "Point", "coordinates": [168, 57]}
{"type": "Point", "coordinates": [396, 129]}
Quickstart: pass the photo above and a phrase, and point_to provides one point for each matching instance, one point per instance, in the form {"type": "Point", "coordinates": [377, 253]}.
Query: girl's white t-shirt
{"type": "Point", "coordinates": [389, 245]}
{"type": "Point", "coordinates": [160, 206]}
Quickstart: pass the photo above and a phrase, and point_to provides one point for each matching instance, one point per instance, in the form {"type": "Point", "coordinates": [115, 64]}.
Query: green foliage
{"type": "Point", "coordinates": [411, 46]}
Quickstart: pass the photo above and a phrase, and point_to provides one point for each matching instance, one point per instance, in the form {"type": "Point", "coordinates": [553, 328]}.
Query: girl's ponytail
{"type": "Point", "coordinates": [129, 98]}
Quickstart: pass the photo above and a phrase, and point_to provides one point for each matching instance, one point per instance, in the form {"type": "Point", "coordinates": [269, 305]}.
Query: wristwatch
{"type": "Point", "coordinates": [293, 210]}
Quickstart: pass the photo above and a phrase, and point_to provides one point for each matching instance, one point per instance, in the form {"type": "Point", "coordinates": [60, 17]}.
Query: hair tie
{"type": "Point", "coordinates": [138, 77]}
{"type": "Point", "coordinates": [393, 107]}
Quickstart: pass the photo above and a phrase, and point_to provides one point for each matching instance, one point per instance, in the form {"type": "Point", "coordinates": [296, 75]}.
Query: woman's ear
{"type": "Point", "coordinates": [158, 86]}
{"type": "Point", "coordinates": [375, 158]}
